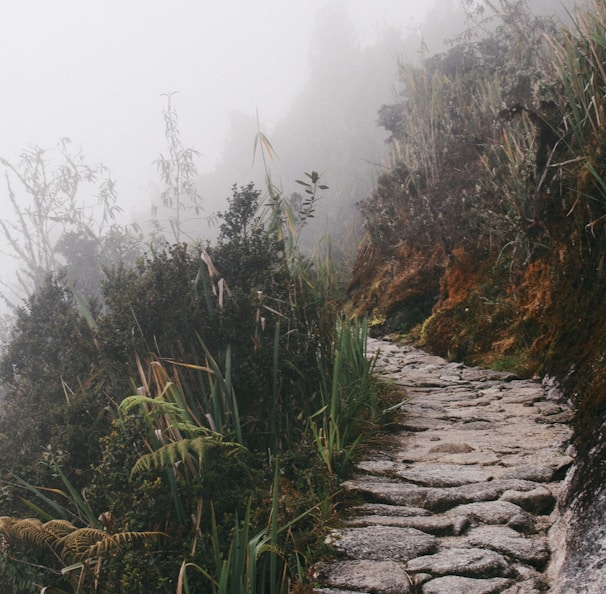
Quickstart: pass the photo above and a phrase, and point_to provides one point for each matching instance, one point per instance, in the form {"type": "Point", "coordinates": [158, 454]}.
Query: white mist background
{"type": "Point", "coordinates": [94, 71]}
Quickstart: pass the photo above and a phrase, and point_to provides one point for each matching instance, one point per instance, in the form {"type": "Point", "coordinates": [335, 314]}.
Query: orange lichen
{"type": "Point", "coordinates": [461, 279]}
{"type": "Point", "coordinates": [535, 291]}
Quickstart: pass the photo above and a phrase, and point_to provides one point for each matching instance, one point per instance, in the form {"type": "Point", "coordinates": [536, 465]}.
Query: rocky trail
{"type": "Point", "coordinates": [461, 499]}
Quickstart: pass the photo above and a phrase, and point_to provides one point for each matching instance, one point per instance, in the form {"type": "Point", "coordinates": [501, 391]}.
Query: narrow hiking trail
{"type": "Point", "coordinates": [460, 500]}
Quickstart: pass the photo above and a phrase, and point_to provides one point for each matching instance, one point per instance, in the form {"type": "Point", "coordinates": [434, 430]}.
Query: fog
{"type": "Point", "coordinates": [311, 75]}
{"type": "Point", "coordinates": [95, 71]}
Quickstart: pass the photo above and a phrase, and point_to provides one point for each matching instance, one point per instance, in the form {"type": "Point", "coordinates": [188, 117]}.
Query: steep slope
{"type": "Point", "coordinates": [485, 242]}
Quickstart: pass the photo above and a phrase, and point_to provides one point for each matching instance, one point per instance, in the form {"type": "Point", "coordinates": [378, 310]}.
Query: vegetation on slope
{"type": "Point", "coordinates": [163, 430]}
{"type": "Point", "coordinates": [184, 429]}
{"type": "Point", "coordinates": [486, 240]}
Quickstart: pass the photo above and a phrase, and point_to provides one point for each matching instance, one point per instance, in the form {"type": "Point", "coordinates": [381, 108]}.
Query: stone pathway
{"type": "Point", "coordinates": [460, 500]}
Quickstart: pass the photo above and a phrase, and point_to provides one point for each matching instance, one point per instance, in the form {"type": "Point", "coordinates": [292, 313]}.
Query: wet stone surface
{"type": "Point", "coordinates": [461, 498]}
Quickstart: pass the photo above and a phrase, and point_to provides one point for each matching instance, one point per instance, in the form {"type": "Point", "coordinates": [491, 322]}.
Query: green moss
{"type": "Point", "coordinates": [515, 363]}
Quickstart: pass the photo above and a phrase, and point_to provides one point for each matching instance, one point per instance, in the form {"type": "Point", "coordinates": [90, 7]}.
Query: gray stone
{"type": "Point", "coordinates": [564, 417]}
{"type": "Point", "coordinates": [523, 522]}
{"type": "Point", "coordinates": [487, 512]}
{"type": "Point", "coordinates": [384, 509]}
{"type": "Point", "coordinates": [401, 493]}
{"type": "Point", "coordinates": [474, 403]}
{"type": "Point", "coordinates": [450, 378]}
{"type": "Point", "coordinates": [526, 573]}
{"type": "Point", "coordinates": [383, 542]}
{"type": "Point", "coordinates": [453, 499]}
{"type": "Point", "coordinates": [419, 379]}
{"type": "Point", "coordinates": [453, 584]}
{"type": "Point", "coordinates": [579, 542]}
{"type": "Point", "coordinates": [436, 525]}
{"type": "Point", "coordinates": [530, 581]}
{"type": "Point", "coordinates": [444, 499]}
{"type": "Point", "coordinates": [530, 397]}
{"type": "Point", "coordinates": [537, 501]}
{"type": "Point", "coordinates": [488, 376]}
{"type": "Point", "coordinates": [493, 392]}
{"type": "Point", "coordinates": [508, 542]}
{"type": "Point", "coordinates": [334, 591]}
{"type": "Point", "coordinates": [422, 424]}
{"type": "Point", "coordinates": [460, 525]}
{"type": "Point", "coordinates": [525, 587]}
{"type": "Point", "coordinates": [479, 458]}
{"type": "Point", "coordinates": [378, 466]}
{"type": "Point", "coordinates": [452, 448]}
{"type": "Point", "coordinates": [464, 562]}
{"type": "Point", "coordinates": [384, 491]}
{"type": "Point", "coordinates": [422, 410]}
{"type": "Point", "coordinates": [445, 475]}
{"type": "Point", "coordinates": [476, 425]}
{"type": "Point", "coordinates": [378, 577]}
{"type": "Point", "coordinates": [531, 472]}
{"type": "Point", "coordinates": [549, 408]}
{"type": "Point", "coordinates": [419, 579]}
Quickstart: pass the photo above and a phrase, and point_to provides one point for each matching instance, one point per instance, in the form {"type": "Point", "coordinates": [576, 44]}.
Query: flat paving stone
{"type": "Point", "coordinates": [507, 541]}
{"type": "Point", "coordinates": [436, 525]}
{"type": "Point", "coordinates": [378, 577]}
{"type": "Point", "coordinates": [539, 500]}
{"type": "Point", "coordinates": [452, 448]}
{"type": "Point", "coordinates": [463, 562]}
{"type": "Point", "coordinates": [444, 499]}
{"type": "Point", "coordinates": [487, 512]}
{"type": "Point", "coordinates": [446, 475]}
{"type": "Point", "coordinates": [384, 509]}
{"type": "Point", "coordinates": [453, 584]}
{"type": "Point", "coordinates": [378, 543]}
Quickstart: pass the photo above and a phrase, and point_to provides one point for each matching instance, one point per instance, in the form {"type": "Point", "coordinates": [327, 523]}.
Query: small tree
{"type": "Point", "coordinates": [178, 172]}
{"type": "Point", "coordinates": [46, 370]}
{"type": "Point", "coordinates": [48, 207]}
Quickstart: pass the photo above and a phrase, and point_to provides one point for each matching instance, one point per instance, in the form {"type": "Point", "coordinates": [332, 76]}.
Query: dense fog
{"type": "Point", "coordinates": [311, 79]}
{"type": "Point", "coordinates": [331, 125]}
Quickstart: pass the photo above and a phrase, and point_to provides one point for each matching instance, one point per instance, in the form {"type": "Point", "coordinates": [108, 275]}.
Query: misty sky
{"type": "Point", "coordinates": [94, 71]}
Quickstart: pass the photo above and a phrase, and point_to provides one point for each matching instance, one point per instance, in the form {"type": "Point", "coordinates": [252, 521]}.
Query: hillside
{"type": "Point", "coordinates": [163, 404]}
{"type": "Point", "coordinates": [485, 243]}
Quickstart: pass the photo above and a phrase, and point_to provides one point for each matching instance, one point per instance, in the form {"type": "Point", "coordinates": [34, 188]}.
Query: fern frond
{"type": "Point", "coordinates": [169, 454]}
{"type": "Point", "coordinates": [6, 524]}
{"type": "Point", "coordinates": [182, 451]}
{"type": "Point", "coordinates": [114, 542]}
{"type": "Point", "coordinates": [188, 427]}
{"type": "Point", "coordinates": [156, 459]}
{"type": "Point", "coordinates": [59, 528]}
{"type": "Point", "coordinates": [88, 543]}
{"type": "Point", "coordinates": [163, 457]}
{"type": "Point", "coordinates": [28, 530]}
{"type": "Point", "coordinates": [76, 544]}
{"type": "Point", "coordinates": [158, 405]}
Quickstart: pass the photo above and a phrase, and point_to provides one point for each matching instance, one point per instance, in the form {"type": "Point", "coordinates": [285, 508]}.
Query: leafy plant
{"type": "Point", "coordinates": [254, 563]}
{"type": "Point", "coordinates": [350, 401]}
{"type": "Point", "coordinates": [72, 534]}
{"type": "Point", "coordinates": [227, 362]}
{"type": "Point", "coordinates": [80, 550]}
{"type": "Point", "coordinates": [52, 373]}
{"type": "Point", "coordinates": [577, 60]}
